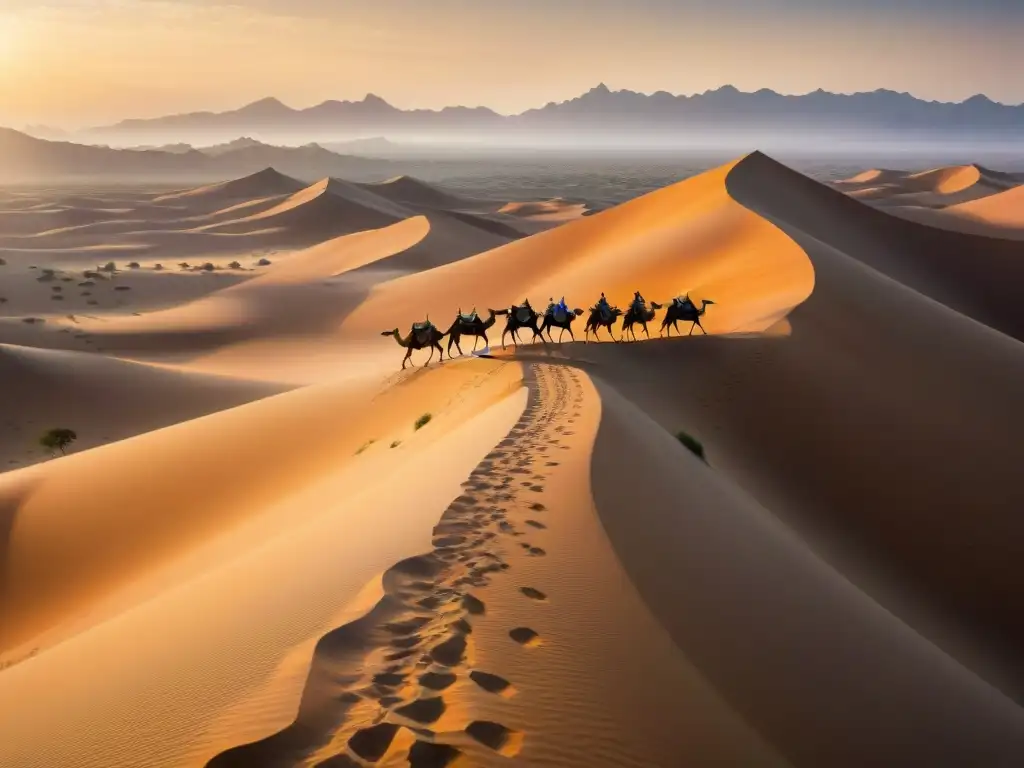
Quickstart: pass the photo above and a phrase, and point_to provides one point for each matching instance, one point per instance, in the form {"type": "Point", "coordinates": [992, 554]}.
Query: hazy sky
{"type": "Point", "coordinates": [81, 62]}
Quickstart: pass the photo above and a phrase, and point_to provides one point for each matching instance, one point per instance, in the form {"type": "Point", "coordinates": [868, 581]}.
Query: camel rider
{"type": "Point", "coordinates": [602, 303]}
{"type": "Point", "coordinates": [563, 306]}
{"type": "Point", "coordinates": [551, 306]}
{"type": "Point", "coordinates": [638, 301]}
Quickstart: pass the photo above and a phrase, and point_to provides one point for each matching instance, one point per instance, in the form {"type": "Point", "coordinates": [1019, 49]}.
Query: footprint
{"type": "Point", "coordinates": [451, 651]}
{"type": "Point", "coordinates": [438, 681]}
{"type": "Point", "coordinates": [473, 605]}
{"type": "Point", "coordinates": [537, 552]}
{"type": "Point", "coordinates": [496, 736]}
{"type": "Point", "coordinates": [424, 711]}
{"type": "Point", "coordinates": [533, 594]}
{"type": "Point", "coordinates": [492, 683]}
{"type": "Point", "coordinates": [538, 507]}
{"type": "Point", "coordinates": [371, 744]}
{"type": "Point", "coordinates": [525, 636]}
{"type": "Point", "coordinates": [424, 754]}
{"type": "Point", "coordinates": [536, 524]}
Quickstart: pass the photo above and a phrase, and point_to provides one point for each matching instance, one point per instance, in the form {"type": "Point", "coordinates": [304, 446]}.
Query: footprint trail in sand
{"type": "Point", "coordinates": [378, 687]}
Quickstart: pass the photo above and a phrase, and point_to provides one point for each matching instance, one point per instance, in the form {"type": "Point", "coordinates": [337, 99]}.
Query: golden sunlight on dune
{"type": "Point", "coordinates": [782, 528]}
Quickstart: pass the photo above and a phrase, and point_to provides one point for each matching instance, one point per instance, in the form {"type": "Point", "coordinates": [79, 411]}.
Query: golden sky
{"type": "Point", "coordinates": [82, 62]}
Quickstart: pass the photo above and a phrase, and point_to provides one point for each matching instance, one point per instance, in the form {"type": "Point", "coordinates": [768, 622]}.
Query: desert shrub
{"type": "Point", "coordinates": [692, 443]}
{"type": "Point", "coordinates": [364, 446]}
{"type": "Point", "coordinates": [133, 265]}
{"type": "Point", "coordinates": [208, 267]}
{"type": "Point", "coordinates": [58, 439]}
{"type": "Point", "coordinates": [396, 443]}
{"type": "Point", "coordinates": [263, 263]}
{"type": "Point", "coordinates": [422, 421]}
{"type": "Point", "coordinates": [109, 267]}
{"type": "Point", "coordinates": [158, 267]}
{"type": "Point", "coordinates": [183, 264]}
{"type": "Point", "coordinates": [234, 265]}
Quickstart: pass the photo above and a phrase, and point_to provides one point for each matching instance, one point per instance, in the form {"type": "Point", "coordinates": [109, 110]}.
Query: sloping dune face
{"type": "Point", "coordinates": [527, 559]}
{"type": "Point", "coordinates": [690, 237]}
{"type": "Point", "coordinates": [265, 183]}
{"type": "Point", "coordinates": [934, 188]}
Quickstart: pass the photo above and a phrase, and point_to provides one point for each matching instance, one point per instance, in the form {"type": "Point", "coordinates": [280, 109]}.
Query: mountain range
{"type": "Point", "coordinates": [29, 159]}
{"type": "Point", "coordinates": [598, 112]}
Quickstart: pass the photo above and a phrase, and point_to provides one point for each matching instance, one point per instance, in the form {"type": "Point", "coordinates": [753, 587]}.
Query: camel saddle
{"type": "Point", "coordinates": [684, 302]}
{"type": "Point", "coordinates": [422, 331]}
{"type": "Point", "coordinates": [523, 314]}
{"type": "Point", "coordinates": [605, 311]}
{"type": "Point", "coordinates": [472, 317]}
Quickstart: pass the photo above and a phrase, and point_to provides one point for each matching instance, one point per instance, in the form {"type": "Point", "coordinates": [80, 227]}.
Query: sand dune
{"type": "Point", "coordinates": [406, 189]}
{"type": "Point", "coordinates": [687, 237]}
{"type": "Point", "coordinates": [1000, 215]}
{"type": "Point", "coordinates": [934, 188]}
{"type": "Point", "coordinates": [265, 183]}
{"type": "Point", "coordinates": [514, 560]}
{"type": "Point", "coordinates": [103, 399]}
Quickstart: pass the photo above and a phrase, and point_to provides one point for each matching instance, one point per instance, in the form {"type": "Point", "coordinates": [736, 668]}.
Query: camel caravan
{"type": "Point", "coordinates": [426, 335]}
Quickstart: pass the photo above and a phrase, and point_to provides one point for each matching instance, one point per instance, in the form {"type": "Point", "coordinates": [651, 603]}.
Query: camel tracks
{"type": "Point", "coordinates": [379, 689]}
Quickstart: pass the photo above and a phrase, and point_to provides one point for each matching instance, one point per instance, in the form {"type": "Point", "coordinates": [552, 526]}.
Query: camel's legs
{"type": "Point", "coordinates": [569, 329]}
{"type": "Point", "coordinates": [503, 338]}
{"type": "Point", "coordinates": [645, 331]}
{"type": "Point", "coordinates": [487, 344]}
{"type": "Point", "coordinates": [561, 333]}
{"type": "Point", "coordinates": [701, 327]}
{"type": "Point", "coordinates": [441, 352]}
{"type": "Point", "coordinates": [476, 340]}
{"type": "Point", "coordinates": [431, 356]}
{"type": "Point", "coordinates": [408, 354]}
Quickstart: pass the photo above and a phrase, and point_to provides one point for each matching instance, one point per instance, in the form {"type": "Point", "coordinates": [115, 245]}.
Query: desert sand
{"type": "Point", "coordinates": [272, 546]}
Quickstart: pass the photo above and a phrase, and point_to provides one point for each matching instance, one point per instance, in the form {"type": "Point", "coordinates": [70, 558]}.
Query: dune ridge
{"type": "Point", "coordinates": [514, 558]}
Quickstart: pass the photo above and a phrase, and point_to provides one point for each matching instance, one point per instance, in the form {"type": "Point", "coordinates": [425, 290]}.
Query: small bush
{"type": "Point", "coordinates": [183, 264]}
{"type": "Point", "coordinates": [109, 267]}
{"type": "Point", "coordinates": [234, 265]}
{"type": "Point", "coordinates": [396, 443]}
{"type": "Point", "coordinates": [422, 421]}
{"type": "Point", "coordinates": [693, 444]}
{"type": "Point", "coordinates": [58, 439]}
{"type": "Point", "coordinates": [208, 267]}
{"type": "Point", "coordinates": [158, 267]}
{"type": "Point", "coordinates": [263, 263]}
{"type": "Point", "coordinates": [133, 265]}
{"type": "Point", "coordinates": [364, 446]}
{"type": "Point", "coordinates": [90, 274]}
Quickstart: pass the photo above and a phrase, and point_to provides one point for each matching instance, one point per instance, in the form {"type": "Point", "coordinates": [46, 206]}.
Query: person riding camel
{"type": "Point", "coordinates": [563, 306]}
{"type": "Point", "coordinates": [638, 301]}
{"type": "Point", "coordinates": [603, 307]}
{"type": "Point", "coordinates": [551, 306]}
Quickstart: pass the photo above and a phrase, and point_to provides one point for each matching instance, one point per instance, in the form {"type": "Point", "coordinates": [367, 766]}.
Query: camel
{"type": "Point", "coordinates": [469, 325]}
{"type": "Point", "coordinates": [522, 316]}
{"type": "Point", "coordinates": [558, 318]}
{"type": "Point", "coordinates": [421, 336]}
{"type": "Point", "coordinates": [682, 308]}
{"type": "Point", "coordinates": [601, 319]}
{"type": "Point", "coordinates": [638, 314]}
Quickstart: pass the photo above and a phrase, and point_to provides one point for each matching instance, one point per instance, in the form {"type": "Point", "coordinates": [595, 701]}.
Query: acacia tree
{"type": "Point", "coordinates": [58, 439]}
